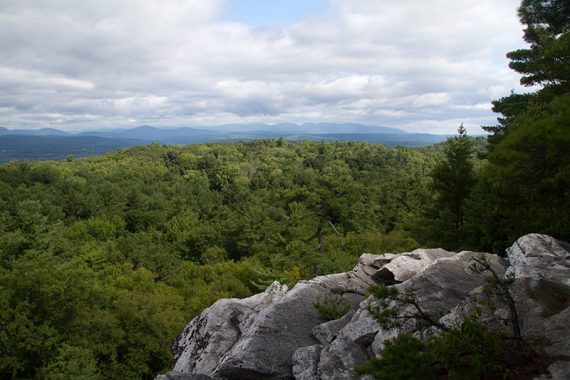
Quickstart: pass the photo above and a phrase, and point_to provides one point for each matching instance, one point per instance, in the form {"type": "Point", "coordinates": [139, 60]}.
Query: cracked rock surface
{"type": "Point", "coordinates": [278, 334]}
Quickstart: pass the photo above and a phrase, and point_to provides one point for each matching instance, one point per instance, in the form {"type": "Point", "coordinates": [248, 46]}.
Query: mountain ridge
{"type": "Point", "coordinates": [305, 128]}
{"type": "Point", "coordinates": [54, 144]}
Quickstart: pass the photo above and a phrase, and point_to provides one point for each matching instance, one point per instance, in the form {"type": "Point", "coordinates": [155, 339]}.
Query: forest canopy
{"type": "Point", "coordinates": [103, 260]}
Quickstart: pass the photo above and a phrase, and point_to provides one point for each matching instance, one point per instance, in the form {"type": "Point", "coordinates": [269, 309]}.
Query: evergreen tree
{"type": "Point", "coordinates": [453, 180]}
{"type": "Point", "coordinates": [525, 187]}
{"type": "Point", "coordinates": [546, 62]}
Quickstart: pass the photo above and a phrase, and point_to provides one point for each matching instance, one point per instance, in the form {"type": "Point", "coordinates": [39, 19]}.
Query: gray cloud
{"type": "Point", "coordinates": [422, 66]}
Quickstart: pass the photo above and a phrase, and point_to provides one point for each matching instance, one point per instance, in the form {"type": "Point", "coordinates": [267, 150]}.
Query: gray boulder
{"type": "Point", "coordinates": [439, 287]}
{"type": "Point", "coordinates": [257, 337]}
{"type": "Point", "coordinates": [406, 265]}
{"type": "Point", "coordinates": [266, 348]}
{"type": "Point", "coordinates": [540, 255]}
{"type": "Point", "coordinates": [541, 265]}
{"type": "Point", "coordinates": [327, 332]}
{"type": "Point", "coordinates": [448, 280]}
{"type": "Point", "coordinates": [206, 339]}
{"type": "Point", "coordinates": [352, 347]}
{"type": "Point", "coordinates": [305, 362]}
{"type": "Point", "coordinates": [279, 334]}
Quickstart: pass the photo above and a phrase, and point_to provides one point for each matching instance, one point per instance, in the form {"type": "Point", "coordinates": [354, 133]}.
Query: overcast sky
{"type": "Point", "coordinates": [423, 66]}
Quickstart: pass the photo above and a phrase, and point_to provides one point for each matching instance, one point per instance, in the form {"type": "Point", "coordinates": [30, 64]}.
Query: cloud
{"type": "Point", "coordinates": [18, 78]}
{"type": "Point", "coordinates": [414, 64]}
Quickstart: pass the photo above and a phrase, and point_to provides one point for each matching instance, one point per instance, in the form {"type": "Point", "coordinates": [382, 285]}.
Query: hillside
{"type": "Point", "coordinates": [103, 260]}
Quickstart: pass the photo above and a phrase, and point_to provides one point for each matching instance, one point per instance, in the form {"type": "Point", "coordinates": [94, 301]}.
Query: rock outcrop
{"type": "Point", "coordinates": [540, 265]}
{"type": "Point", "coordinates": [279, 334]}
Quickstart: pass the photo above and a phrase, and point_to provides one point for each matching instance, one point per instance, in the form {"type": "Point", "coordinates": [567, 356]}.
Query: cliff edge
{"type": "Point", "coordinates": [280, 334]}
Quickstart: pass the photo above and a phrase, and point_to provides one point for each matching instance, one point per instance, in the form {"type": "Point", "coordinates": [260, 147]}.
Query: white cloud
{"type": "Point", "coordinates": [15, 77]}
{"type": "Point", "coordinates": [414, 64]}
{"type": "Point", "coordinates": [434, 99]}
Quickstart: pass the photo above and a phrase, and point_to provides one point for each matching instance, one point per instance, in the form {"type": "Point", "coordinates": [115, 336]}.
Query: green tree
{"type": "Point", "coordinates": [453, 180]}
{"type": "Point", "coordinates": [73, 363]}
{"type": "Point", "coordinates": [546, 62]}
{"type": "Point", "coordinates": [529, 166]}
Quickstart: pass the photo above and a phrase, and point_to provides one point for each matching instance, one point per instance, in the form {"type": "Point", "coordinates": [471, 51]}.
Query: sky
{"type": "Point", "coordinates": [422, 66]}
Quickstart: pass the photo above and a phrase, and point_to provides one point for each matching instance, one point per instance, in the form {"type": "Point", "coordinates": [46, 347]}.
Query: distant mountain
{"type": "Point", "coordinates": [349, 128]}
{"type": "Point", "coordinates": [190, 135]}
{"type": "Point", "coordinates": [235, 132]}
{"type": "Point", "coordinates": [53, 144]}
{"type": "Point", "coordinates": [146, 132]}
{"type": "Point", "coordinates": [26, 147]}
{"type": "Point", "coordinates": [307, 128]}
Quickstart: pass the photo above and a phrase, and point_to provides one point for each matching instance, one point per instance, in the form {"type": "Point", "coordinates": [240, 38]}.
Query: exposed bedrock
{"type": "Point", "coordinates": [279, 334]}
